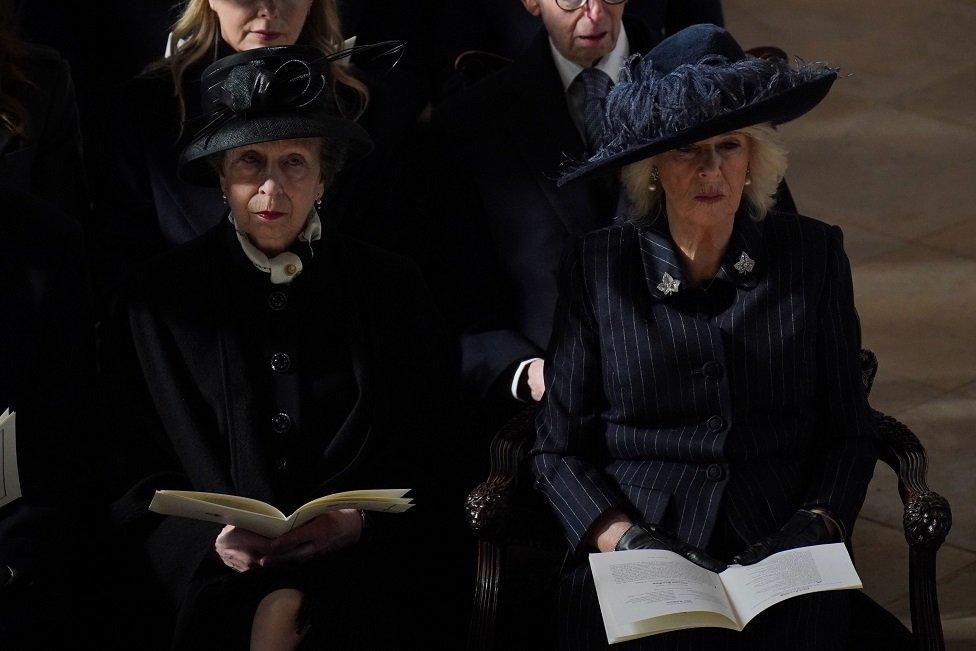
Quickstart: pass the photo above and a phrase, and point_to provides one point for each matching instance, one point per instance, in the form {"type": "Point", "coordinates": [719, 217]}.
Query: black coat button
{"type": "Point", "coordinates": [716, 423]}
{"type": "Point", "coordinates": [277, 301]}
{"type": "Point", "coordinates": [713, 370]}
{"type": "Point", "coordinates": [715, 472]}
{"type": "Point", "coordinates": [281, 423]}
{"type": "Point", "coordinates": [282, 465]}
{"type": "Point", "coordinates": [280, 362]}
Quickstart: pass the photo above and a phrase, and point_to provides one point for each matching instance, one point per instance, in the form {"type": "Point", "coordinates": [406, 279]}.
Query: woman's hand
{"type": "Point", "coordinates": [803, 529]}
{"type": "Point", "coordinates": [331, 531]}
{"type": "Point", "coordinates": [649, 536]}
{"type": "Point", "coordinates": [241, 549]}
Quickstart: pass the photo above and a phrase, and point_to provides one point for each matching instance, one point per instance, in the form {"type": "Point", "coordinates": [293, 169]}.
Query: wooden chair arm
{"type": "Point", "coordinates": [504, 508]}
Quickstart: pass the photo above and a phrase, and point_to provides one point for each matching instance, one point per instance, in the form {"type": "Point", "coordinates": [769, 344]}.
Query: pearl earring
{"type": "Point", "coordinates": [318, 204]}
{"type": "Point", "coordinates": [655, 179]}
{"type": "Point", "coordinates": [748, 176]}
{"type": "Point", "coordinates": [223, 198]}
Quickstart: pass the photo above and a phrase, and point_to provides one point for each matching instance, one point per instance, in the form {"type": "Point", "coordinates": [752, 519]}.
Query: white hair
{"type": "Point", "coordinates": [767, 167]}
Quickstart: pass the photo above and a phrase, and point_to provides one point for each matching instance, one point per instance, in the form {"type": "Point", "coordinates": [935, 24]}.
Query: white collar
{"type": "Point", "coordinates": [286, 266]}
{"type": "Point", "coordinates": [610, 64]}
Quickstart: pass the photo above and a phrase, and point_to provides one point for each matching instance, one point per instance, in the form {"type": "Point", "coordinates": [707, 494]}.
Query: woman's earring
{"type": "Point", "coordinates": [318, 204]}
{"type": "Point", "coordinates": [655, 179]}
{"type": "Point", "coordinates": [748, 176]}
{"type": "Point", "coordinates": [223, 198]}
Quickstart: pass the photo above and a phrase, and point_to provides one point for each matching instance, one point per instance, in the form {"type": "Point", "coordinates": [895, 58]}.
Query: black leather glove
{"type": "Point", "coordinates": [649, 536]}
{"type": "Point", "coordinates": [803, 529]}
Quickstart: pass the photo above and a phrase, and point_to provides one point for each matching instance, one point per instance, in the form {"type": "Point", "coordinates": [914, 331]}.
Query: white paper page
{"type": "Point", "coordinates": [637, 585]}
{"type": "Point", "coordinates": [166, 503]}
{"type": "Point", "coordinates": [9, 474]}
{"type": "Point", "coordinates": [753, 588]}
{"type": "Point", "coordinates": [390, 505]}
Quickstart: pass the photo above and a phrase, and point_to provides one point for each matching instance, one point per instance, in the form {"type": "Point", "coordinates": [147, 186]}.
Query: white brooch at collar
{"type": "Point", "coordinates": [745, 264]}
{"type": "Point", "coordinates": [668, 284]}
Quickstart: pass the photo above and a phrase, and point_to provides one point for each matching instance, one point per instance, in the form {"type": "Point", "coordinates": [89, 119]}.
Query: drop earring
{"type": "Point", "coordinates": [223, 198]}
{"type": "Point", "coordinates": [748, 177]}
{"type": "Point", "coordinates": [655, 179]}
{"type": "Point", "coordinates": [318, 204]}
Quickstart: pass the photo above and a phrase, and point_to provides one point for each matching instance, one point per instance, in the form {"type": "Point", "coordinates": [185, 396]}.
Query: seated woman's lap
{"type": "Point", "coordinates": [345, 594]}
{"type": "Point", "coordinates": [818, 621]}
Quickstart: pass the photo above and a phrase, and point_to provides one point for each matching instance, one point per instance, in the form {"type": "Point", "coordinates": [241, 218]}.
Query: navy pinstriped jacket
{"type": "Point", "coordinates": [670, 405]}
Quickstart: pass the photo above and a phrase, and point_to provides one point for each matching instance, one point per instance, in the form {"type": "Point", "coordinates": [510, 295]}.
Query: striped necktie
{"type": "Point", "coordinates": [596, 84]}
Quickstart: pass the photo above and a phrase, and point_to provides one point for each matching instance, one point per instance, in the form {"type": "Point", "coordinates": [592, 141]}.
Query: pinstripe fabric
{"type": "Point", "coordinates": [747, 396]}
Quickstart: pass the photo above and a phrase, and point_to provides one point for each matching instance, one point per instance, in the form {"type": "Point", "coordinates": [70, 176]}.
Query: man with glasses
{"type": "Point", "coordinates": [502, 224]}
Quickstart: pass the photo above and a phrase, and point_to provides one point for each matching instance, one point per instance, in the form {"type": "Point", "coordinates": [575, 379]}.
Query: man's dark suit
{"type": "Point", "coordinates": [502, 223]}
{"type": "Point", "coordinates": [724, 409]}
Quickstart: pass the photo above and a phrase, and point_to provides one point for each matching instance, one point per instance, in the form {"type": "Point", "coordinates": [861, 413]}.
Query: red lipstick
{"type": "Point", "coordinates": [269, 215]}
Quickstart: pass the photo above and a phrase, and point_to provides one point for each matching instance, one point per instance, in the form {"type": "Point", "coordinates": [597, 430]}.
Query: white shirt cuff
{"type": "Point", "coordinates": [518, 376]}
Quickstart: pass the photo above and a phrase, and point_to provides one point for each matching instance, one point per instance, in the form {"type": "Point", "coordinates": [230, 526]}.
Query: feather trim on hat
{"type": "Point", "coordinates": [646, 105]}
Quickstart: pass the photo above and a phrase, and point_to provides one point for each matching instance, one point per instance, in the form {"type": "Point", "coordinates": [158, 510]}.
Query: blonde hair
{"type": "Point", "coordinates": [199, 30]}
{"type": "Point", "coordinates": [767, 166]}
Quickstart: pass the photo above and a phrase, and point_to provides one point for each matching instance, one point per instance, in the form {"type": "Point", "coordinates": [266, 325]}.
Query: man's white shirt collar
{"type": "Point", "coordinates": [610, 64]}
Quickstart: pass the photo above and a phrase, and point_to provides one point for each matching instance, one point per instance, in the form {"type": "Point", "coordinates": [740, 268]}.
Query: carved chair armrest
{"type": "Point", "coordinates": [927, 518]}
{"type": "Point", "coordinates": [505, 509]}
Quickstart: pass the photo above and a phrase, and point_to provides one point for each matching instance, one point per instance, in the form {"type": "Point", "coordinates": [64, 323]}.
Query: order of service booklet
{"type": "Point", "coordinates": [649, 591]}
{"type": "Point", "coordinates": [9, 475]}
{"type": "Point", "coordinates": [264, 519]}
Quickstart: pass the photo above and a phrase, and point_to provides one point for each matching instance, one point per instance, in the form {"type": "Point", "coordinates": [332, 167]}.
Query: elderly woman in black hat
{"type": "Point", "coordinates": [273, 359]}
{"type": "Point", "coordinates": [143, 207]}
{"type": "Point", "coordinates": [704, 392]}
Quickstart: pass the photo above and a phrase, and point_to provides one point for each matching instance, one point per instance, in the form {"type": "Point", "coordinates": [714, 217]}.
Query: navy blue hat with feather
{"type": "Point", "coordinates": [694, 85]}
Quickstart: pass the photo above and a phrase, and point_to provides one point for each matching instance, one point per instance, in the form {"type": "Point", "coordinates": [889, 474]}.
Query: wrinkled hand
{"type": "Point", "coordinates": [649, 536]}
{"type": "Point", "coordinates": [803, 529]}
{"type": "Point", "coordinates": [241, 549]}
{"type": "Point", "coordinates": [536, 379]}
{"type": "Point", "coordinates": [331, 531]}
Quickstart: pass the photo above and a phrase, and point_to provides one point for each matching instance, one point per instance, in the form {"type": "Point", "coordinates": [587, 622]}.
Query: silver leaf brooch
{"type": "Point", "coordinates": [745, 264]}
{"type": "Point", "coordinates": [668, 285]}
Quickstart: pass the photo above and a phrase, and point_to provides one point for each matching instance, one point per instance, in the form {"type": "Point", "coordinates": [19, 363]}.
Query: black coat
{"type": "Point", "coordinates": [502, 225]}
{"type": "Point", "coordinates": [747, 397]}
{"type": "Point", "coordinates": [46, 160]}
{"type": "Point", "coordinates": [185, 410]}
{"type": "Point", "coordinates": [47, 355]}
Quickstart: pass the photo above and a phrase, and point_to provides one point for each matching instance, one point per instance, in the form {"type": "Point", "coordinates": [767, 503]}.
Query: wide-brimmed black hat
{"type": "Point", "coordinates": [694, 85]}
{"type": "Point", "coordinates": [264, 94]}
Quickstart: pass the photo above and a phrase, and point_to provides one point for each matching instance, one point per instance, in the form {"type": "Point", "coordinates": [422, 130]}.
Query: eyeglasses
{"type": "Point", "coordinates": [573, 5]}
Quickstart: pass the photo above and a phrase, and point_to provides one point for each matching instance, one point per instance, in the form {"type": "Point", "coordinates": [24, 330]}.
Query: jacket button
{"type": "Point", "coordinates": [280, 362]}
{"type": "Point", "coordinates": [281, 423]}
{"type": "Point", "coordinates": [713, 370]}
{"type": "Point", "coordinates": [277, 301]}
{"type": "Point", "coordinates": [282, 465]}
{"type": "Point", "coordinates": [716, 423]}
{"type": "Point", "coordinates": [715, 472]}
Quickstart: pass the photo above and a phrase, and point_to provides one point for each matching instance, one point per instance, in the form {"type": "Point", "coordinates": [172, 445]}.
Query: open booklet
{"type": "Point", "coordinates": [649, 591]}
{"type": "Point", "coordinates": [9, 475]}
{"type": "Point", "coordinates": [264, 519]}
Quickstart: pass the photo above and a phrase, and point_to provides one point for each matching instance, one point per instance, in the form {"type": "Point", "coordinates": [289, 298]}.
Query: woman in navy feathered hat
{"type": "Point", "coordinates": [703, 381]}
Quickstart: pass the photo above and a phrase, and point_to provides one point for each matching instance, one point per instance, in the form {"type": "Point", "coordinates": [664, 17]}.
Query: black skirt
{"type": "Point", "coordinates": [358, 598]}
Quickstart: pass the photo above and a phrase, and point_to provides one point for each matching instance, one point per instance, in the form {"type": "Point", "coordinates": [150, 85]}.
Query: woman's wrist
{"type": "Point", "coordinates": [607, 530]}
